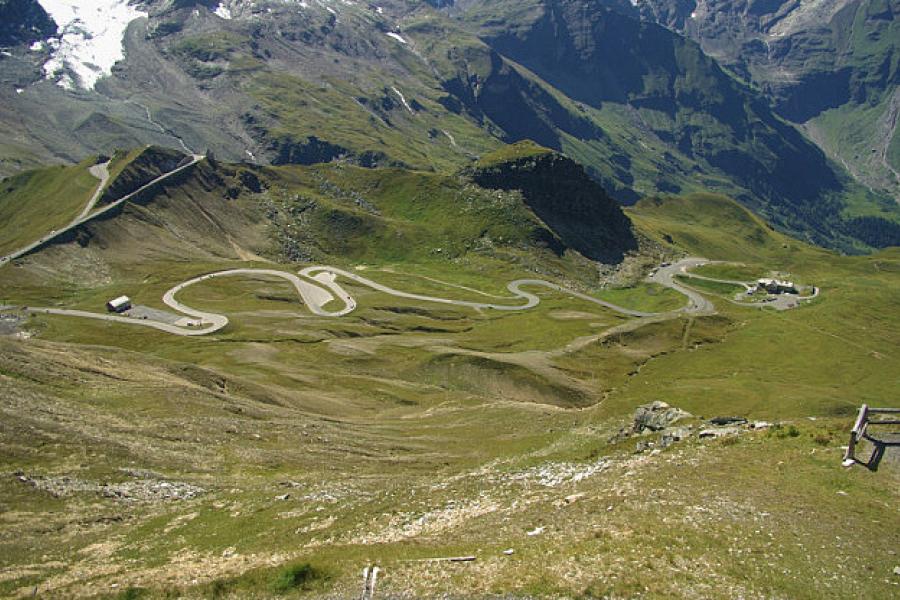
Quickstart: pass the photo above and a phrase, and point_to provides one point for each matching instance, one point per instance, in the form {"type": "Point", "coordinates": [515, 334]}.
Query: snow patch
{"type": "Point", "coordinates": [37, 46]}
{"type": "Point", "coordinates": [19, 90]}
{"type": "Point", "coordinates": [397, 37]}
{"type": "Point", "coordinates": [223, 11]}
{"type": "Point", "coordinates": [403, 100]}
{"type": "Point", "coordinates": [379, 10]}
{"type": "Point", "coordinates": [450, 137]}
{"type": "Point", "coordinates": [694, 15]}
{"type": "Point", "coordinates": [89, 39]}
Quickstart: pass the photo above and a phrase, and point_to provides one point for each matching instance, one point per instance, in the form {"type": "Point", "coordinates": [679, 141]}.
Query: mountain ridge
{"type": "Point", "coordinates": [413, 86]}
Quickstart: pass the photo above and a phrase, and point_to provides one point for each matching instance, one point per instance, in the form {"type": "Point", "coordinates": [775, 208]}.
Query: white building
{"type": "Point", "coordinates": [776, 286]}
{"type": "Point", "coordinates": [120, 304]}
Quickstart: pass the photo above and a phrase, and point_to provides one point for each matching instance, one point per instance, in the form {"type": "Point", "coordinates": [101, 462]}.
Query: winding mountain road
{"type": "Point", "coordinates": [665, 276]}
{"type": "Point", "coordinates": [100, 171]}
{"type": "Point", "coordinates": [778, 302]}
{"type": "Point", "coordinates": [319, 286]}
{"type": "Point", "coordinates": [515, 287]}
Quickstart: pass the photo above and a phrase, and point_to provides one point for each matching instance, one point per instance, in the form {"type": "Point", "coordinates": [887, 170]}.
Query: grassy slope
{"type": "Point", "coordinates": [729, 271]}
{"type": "Point", "coordinates": [713, 287]}
{"type": "Point", "coordinates": [36, 202]}
{"type": "Point", "coordinates": [510, 153]}
{"type": "Point", "coordinates": [848, 131]}
{"type": "Point", "coordinates": [844, 341]}
{"type": "Point", "coordinates": [404, 444]}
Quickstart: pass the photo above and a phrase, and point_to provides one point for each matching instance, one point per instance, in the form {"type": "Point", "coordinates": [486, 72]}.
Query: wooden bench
{"type": "Point", "coordinates": [860, 432]}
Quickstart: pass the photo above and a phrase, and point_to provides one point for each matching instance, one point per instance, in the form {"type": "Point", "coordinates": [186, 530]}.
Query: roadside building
{"type": "Point", "coordinates": [776, 286]}
{"type": "Point", "coordinates": [119, 305]}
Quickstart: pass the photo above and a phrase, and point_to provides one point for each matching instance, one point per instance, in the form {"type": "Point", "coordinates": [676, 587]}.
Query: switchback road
{"type": "Point", "coordinates": [319, 287]}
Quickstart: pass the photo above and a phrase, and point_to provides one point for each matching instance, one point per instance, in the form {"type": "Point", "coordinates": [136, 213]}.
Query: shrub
{"type": "Point", "coordinates": [296, 576]}
{"type": "Point", "coordinates": [822, 438]}
{"type": "Point", "coordinates": [729, 440]}
{"type": "Point", "coordinates": [781, 432]}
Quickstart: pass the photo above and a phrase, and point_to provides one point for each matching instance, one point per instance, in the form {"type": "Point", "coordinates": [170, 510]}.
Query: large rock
{"type": "Point", "coordinates": [656, 416]}
{"type": "Point", "coordinates": [717, 432]}
{"type": "Point", "coordinates": [24, 22]}
{"type": "Point", "coordinates": [676, 434]}
{"type": "Point", "coordinates": [721, 421]}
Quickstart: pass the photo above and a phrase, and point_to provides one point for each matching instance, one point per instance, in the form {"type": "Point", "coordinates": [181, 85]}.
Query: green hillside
{"type": "Point", "coordinates": [36, 202]}
{"type": "Point", "coordinates": [297, 449]}
{"type": "Point", "coordinates": [462, 291]}
{"type": "Point", "coordinates": [411, 86]}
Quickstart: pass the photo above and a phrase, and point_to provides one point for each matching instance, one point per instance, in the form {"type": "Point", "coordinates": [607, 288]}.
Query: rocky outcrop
{"type": "Point", "coordinates": [312, 150]}
{"type": "Point", "coordinates": [147, 166]}
{"type": "Point", "coordinates": [654, 425]}
{"type": "Point", "coordinates": [656, 416]}
{"type": "Point", "coordinates": [572, 205]}
{"type": "Point", "coordinates": [24, 22]}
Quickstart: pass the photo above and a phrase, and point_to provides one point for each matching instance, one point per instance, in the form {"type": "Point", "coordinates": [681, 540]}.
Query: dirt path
{"type": "Point", "coordinates": [101, 172]}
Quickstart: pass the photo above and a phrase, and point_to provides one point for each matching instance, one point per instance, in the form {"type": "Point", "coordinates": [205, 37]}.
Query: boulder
{"type": "Point", "coordinates": [717, 432]}
{"type": "Point", "coordinates": [676, 434]}
{"type": "Point", "coordinates": [728, 420]}
{"type": "Point", "coordinates": [642, 446]}
{"type": "Point", "coordinates": [656, 416]}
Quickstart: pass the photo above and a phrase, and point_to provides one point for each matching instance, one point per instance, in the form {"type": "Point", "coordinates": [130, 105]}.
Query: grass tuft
{"type": "Point", "coordinates": [302, 576]}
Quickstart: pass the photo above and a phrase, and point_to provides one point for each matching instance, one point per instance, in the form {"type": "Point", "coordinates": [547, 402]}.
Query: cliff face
{"type": "Point", "coordinates": [141, 170]}
{"type": "Point", "coordinates": [832, 65]}
{"type": "Point", "coordinates": [572, 205]}
{"type": "Point", "coordinates": [23, 22]}
{"type": "Point", "coordinates": [598, 56]}
{"type": "Point", "coordinates": [807, 56]}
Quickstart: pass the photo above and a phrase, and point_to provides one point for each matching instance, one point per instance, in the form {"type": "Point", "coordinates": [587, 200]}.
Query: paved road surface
{"type": "Point", "coordinates": [86, 214]}
{"type": "Point", "coordinates": [321, 287]}
{"type": "Point", "coordinates": [514, 287]}
{"type": "Point", "coordinates": [778, 302]}
{"type": "Point", "coordinates": [101, 172]}
{"type": "Point", "coordinates": [697, 303]}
